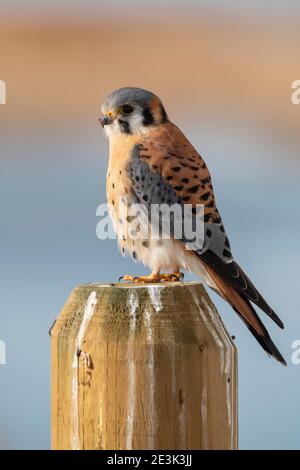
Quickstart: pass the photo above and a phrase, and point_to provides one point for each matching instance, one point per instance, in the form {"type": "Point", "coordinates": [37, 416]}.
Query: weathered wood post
{"type": "Point", "coordinates": [142, 367]}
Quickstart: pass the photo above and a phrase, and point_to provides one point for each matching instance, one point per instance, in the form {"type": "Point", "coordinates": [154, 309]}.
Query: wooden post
{"type": "Point", "coordinates": [142, 367]}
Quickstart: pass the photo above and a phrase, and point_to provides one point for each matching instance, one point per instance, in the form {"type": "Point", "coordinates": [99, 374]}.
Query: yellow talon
{"type": "Point", "coordinates": [153, 278]}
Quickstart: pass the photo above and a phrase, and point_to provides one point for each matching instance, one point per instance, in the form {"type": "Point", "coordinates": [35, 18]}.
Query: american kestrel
{"type": "Point", "coordinates": [152, 162]}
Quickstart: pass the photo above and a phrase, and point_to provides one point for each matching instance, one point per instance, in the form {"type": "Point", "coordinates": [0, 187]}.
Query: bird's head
{"type": "Point", "coordinates": [131, 111]}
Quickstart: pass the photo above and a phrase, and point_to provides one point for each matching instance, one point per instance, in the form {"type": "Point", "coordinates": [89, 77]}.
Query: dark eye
{"type": "Point", "coordinates": [127, 109]}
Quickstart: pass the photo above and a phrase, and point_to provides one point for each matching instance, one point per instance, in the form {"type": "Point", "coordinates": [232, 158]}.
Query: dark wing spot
{"type": "Point", "coordinates": [145, 244]}
{"type": "Point", "coordinates": [176, 168]}
{"type": "Point", "coordinates": [226, 253]}
{"type": "Point", "coordinates": [178, 188]}
{"type": "Point", "coordinates": [208, 233]}
{"type": "Point", "coordinates": [185, 180]}
{"type": "Point", "coordinates": [175, 155]}
{"type": "Point", "coordinates": [193, 189]}
{"type": "Point", "coordinates": [205, 196]}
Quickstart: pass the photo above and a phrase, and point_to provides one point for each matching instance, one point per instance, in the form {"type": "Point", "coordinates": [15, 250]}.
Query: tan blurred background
{"type": "Point", "coordinates": [214, 62]}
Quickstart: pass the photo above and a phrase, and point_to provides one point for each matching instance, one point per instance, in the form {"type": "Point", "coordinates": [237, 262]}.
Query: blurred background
{"type": "Point", "coordinates": [224, 72]}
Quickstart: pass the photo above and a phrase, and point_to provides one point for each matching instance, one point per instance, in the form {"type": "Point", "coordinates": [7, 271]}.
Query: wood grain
{"type": "Point", "coordinates": [142, 367]}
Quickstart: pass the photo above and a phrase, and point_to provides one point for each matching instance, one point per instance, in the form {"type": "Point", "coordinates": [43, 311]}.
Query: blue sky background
{"type": "Point", "coordinates": [48, 246]}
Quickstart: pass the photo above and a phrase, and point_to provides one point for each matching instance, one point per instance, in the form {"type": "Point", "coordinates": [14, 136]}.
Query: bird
{"type": "Point", "coordinates": [152, 162]}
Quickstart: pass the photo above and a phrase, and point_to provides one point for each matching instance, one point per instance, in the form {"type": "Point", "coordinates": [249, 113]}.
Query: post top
{"type": "Point", "coordinates": [130, 285]}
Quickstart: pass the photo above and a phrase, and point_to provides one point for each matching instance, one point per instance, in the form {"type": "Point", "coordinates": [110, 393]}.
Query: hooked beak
{"type": "Point", "coordinates": [106, 121]}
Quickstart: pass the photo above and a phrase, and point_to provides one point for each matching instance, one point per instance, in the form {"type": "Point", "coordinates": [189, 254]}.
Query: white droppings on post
{"type": "Point", "coordinates": [207, 323]}
{"type": "Point", "coordinates": [172, 355]}
{"type": "Point", "coordinates": [154, 293]}
{"type": "Point", "coordinates": [152, 422]}
{"type": "Point", "coordinates": [182, 424]}
{"type": "Point", "coordinates": [87, 315]}
{"type": "Point", "coordinates": [133, 306]}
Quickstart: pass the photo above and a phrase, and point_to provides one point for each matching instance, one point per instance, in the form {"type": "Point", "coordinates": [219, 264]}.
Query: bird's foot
{"type": "Point", "coordinates": [153, 278]}
{"type": "Point", "coordinates": [172, 277]}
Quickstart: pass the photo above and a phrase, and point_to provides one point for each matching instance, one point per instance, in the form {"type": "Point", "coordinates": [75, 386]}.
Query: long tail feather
{"type": "Point", "coordinates": [246, 312]}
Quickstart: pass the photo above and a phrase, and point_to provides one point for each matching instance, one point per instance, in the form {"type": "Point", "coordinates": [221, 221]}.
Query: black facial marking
{"type": "Point", "coordinates": [164, 116]}
{"type": "Point", "coordinates": [124, 125]}
{"type": "Point", "coordinates": [148, 118]}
